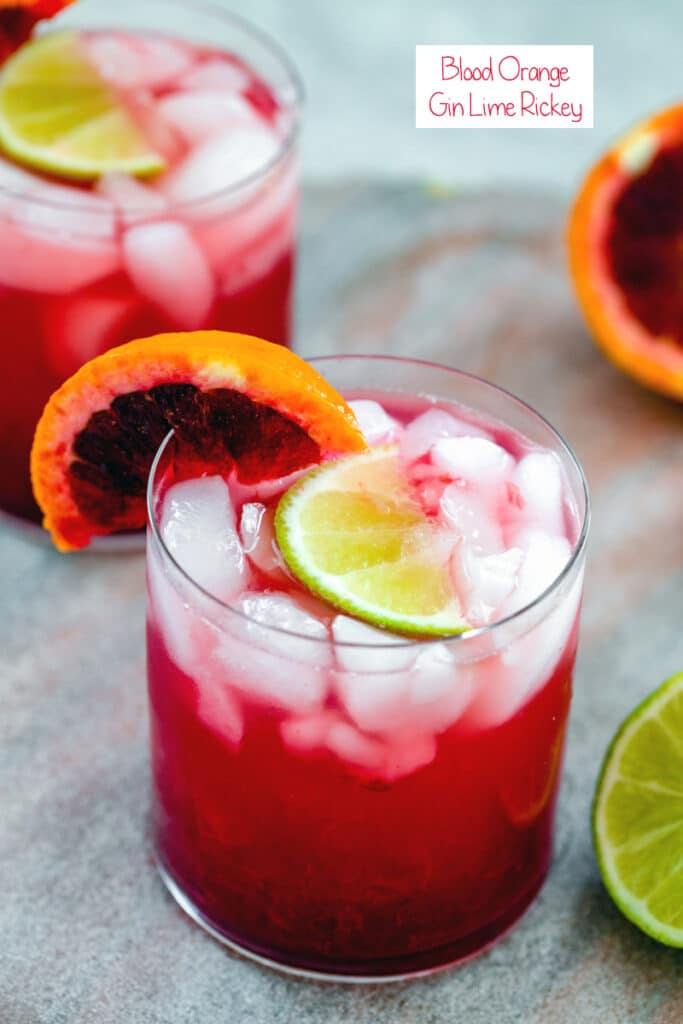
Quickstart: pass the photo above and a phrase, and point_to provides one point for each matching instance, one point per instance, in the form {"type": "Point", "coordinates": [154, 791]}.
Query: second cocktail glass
{"type": "Point", "coordinates": [85, 268]}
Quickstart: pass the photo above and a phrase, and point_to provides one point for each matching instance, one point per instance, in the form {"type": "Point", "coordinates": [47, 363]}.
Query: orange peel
{"type": "Point", "coordinates": [235, 401]}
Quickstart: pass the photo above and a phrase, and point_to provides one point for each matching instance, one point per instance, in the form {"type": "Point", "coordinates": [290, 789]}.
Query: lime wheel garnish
{"type": "Point", "coordinates": [58, 115]}
{"type": "Point", "coordinates": [625, 245]}
{"type": "Point", "coordinates": [235, 402]}
{"type": "Point", "coordinates": [353, 532]}
{"type": "Point", "coordinates": [638, 815]}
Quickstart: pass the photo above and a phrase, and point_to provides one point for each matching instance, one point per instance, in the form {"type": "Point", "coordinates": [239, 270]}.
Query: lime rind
{"type": "Point", "coordinates": [648, 889]}
{"type": "Point", "coordinates": [399, 584]}
{"type": "Point", "coordinates": [57, 115]}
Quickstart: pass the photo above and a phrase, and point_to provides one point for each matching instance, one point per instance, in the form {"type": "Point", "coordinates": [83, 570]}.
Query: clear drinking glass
{"type": "Point", "coordinates": [80, 270]}
{"type": "Point", "coordinates": [367, 855]}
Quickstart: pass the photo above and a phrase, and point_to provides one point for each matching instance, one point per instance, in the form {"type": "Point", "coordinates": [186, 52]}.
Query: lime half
{"type": "Point", "coordinates": [638, 815]}
{"type": "Point", "coordinates": [58, 115]}
{"type": "Point", "coordinates": [351, 531]}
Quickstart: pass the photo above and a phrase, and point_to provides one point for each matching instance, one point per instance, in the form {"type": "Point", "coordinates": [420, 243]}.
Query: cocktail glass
{"type": "Point", "coordinates": [370, 854]}
{"type": "Point", "coordinates": [83, 269]}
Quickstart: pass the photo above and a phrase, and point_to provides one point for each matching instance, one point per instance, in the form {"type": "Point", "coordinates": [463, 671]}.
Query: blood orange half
{"type": "Point", "coordinates": [234, 402]}
{"type": "Point", "coordinates": [626, 252]}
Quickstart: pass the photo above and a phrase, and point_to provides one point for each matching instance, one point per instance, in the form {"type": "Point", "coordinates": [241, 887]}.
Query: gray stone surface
{"type": "Point", "coordinates": [88, 934]}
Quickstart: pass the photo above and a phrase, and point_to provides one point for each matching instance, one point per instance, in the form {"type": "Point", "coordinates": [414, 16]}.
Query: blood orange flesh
{"type": "Point", "coordinates": [236, 403]}
{"type": "Point", "coordinates": [626, 252]}
{"type": "Point", "coordinates": [645, 245]}
{"type": "Point", "coordinates": [114, 451]}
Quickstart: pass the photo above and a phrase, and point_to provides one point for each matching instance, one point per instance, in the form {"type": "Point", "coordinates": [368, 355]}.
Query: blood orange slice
{"type": "Point", "coordinates": [626, 252]}
{"type": "Point", "coordinates": [233, 401]}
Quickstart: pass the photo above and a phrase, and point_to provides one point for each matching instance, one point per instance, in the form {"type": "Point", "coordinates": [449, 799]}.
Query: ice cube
{"type": "Point", "coordinates": [53, 263]}
{"type": "Point", "coordinates": [539, 479]}
{"type": "Point", "coordinates": [544, 558]}
{"type": "Point", "coordinates": [263, 490]}
{"type": "Point", "coordinates": [215, 73]}
{"type": "Point", "coordinates": [244, 232]}
{"type": "Point", "coordinates": [326, 730]}
{"type": "Point", "coordinates": [484, 582]}
{"type": "Point", "coordinates": [220, 163]}
{"type": "Point", "coordinates": [176, 610]}
{"type": "Point", "coordinates": [198, 527]}
{"type": "Point", "coordinates": [471, 517]}
{"type": "Point", "coordinates": [168, 268]}
{"type": "Point", "coordinates": [440, 690]}
{"type": "Point", "coordinates": [168, 611]}
{"type": "Point", "coordinates": [475, 459]}
{"type": "Point", "coordinates": [49, 208]}
{"type": "Point", "coordinates": [429, 493]}
{"type": "Point", "coordinates": [81, 326]}
{"type": "Point", "coordinates": [495, 576]}
{"type": "Point", "coordinates": [427, 698]}
{"type": "Point", "coordinates": [376, 426]}
{"type": "Point", "coordinates": [504, 684]}
{"type": "Point", "coordinates": [257, 534]}
{"type": "Point", "coordinates": [405, 756]}
{"type": "Point", "coordinates": [15, 182]}
{"type": "Point", "coordinates": [431, 425]}
{"type": "Point", "coordinates": [136, 61]}
{"type": "Point", "coordinates": [369, 649]}
{"type": "Point", "coordinates": [271, 666]}
{"type": "Point", "coordinates": [305, 733]}
{"type": "Point", "coordinates": [434, 674]}
{"type": "Point", "coordinates": [270, 679]}
{"type": "Point", "coordinates": [165, 60]}
{"type": "Point", "coordinates": [160, 135]}
{"type": "Point", "coordinates": [290, 630]}
{"type": "Point", "coordinates": [59, 212]}
{"type": "Point", "coordinates": [133, 199]}
{"type": "Point", "coordinates": [351, 745]}
{"type": "Point", "coordinates": [538, 652]}
{"type": "Point", "coordinates": [204, 113]}
{"type": "Point", "coordinates": [250, 525]}
{"type": "Point", "coordinates": [376, 702]}
{"type": "Point", "coordinates": [219, 708]}
{"type": "Point", "coordinates": [499, 690]}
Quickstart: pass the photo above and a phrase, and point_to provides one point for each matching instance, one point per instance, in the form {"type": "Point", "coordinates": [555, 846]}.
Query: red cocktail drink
{"type": "Point", "coordinates": [207, 243]}
{"type": "Point", "coordinates": [334, 798]}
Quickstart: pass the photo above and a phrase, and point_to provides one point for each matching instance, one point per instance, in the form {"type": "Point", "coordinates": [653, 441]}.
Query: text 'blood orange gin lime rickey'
{"type": "Point", "coordinates": [359, 684]}
{"type": "Point", "coordinates": [147, 182]}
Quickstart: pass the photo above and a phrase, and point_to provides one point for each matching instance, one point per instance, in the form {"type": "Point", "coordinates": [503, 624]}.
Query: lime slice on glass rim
{"type": "Point", "coordinates": [638, 815]}
{"type": "Point", "coordinates": [352, 533]}
{"type": "Point", "coordinates": [59, 116]}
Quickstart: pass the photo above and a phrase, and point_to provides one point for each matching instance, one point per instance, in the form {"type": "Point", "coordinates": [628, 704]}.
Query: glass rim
{"type": "Point", "coordinates": [467, 636]}
{"type": "Point", "coordinates": [284, 147]}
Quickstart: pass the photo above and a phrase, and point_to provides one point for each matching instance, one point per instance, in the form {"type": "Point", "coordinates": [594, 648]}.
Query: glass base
{"type": "Point", "coordinates": [434, 960]}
